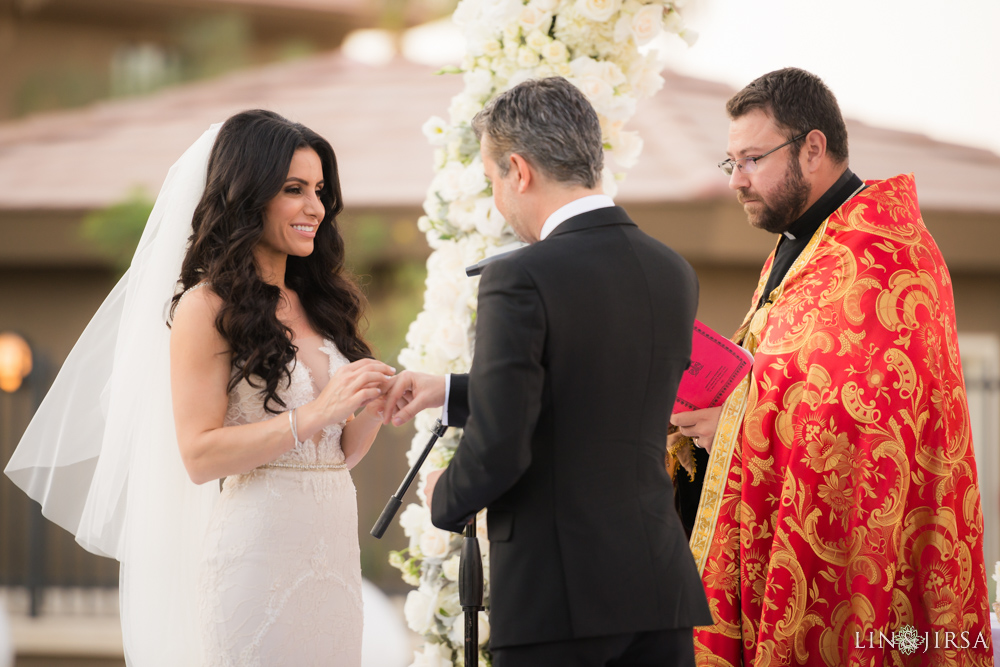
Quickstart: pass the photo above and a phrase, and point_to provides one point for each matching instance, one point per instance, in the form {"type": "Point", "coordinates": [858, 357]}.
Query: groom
{"type": "Point", "coordinates": [581, 340]}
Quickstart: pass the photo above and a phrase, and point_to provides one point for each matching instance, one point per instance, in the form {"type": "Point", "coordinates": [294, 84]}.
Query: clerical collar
{"type": "Point", "coordinates": [807, 223]}
{"type": "Point", "coordinates": [796, 237]}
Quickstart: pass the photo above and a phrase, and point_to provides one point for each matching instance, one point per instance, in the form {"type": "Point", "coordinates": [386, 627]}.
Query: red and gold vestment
{"type": "Point", "coordinates": [841, 499]}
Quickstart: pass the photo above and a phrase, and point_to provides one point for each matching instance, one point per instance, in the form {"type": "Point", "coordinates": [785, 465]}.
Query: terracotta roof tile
{"type": "Point", "coordinates": [372, 115]}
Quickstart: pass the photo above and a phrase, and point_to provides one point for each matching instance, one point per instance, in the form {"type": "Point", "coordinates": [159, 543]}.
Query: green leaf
{"type": "Point", "coordinates": [116, 230]}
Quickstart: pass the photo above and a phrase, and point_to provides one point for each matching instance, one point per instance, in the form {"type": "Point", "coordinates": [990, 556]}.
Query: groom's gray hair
{"type": "Point", "coordinates": [550, 124]}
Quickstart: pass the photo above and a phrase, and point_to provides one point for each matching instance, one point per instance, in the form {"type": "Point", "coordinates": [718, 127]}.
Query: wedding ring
{"type": "Point", "coordinates": [694, 439]}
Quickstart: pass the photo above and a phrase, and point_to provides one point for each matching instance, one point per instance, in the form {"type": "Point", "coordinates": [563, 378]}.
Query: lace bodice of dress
{"type": "Point", "coordinates": [246, 404]}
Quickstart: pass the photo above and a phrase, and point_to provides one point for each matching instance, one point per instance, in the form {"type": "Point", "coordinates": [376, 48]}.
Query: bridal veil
{"type": "Point", "coordinates": [101, 455]}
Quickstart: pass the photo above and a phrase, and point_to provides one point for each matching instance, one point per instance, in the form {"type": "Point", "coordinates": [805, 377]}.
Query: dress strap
{"type": "Point", "coordinates": [191, 289]}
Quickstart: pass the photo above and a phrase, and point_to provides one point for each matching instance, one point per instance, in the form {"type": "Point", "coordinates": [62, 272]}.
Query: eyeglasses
{"type": "Point", "coordinates": [748, 165]}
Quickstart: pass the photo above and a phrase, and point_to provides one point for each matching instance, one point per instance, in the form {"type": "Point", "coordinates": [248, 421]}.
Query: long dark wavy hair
{"type": "Point", "coordinates": [247, 169]}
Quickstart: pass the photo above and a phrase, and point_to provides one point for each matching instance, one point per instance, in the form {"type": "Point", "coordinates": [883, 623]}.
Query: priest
{"type": "Point", "coordinates": [840, 520]}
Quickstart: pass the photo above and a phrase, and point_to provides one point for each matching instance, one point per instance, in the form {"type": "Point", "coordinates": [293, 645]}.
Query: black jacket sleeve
{"type": "Point", "coordinates": [458, 400]}
{"type": "Point", "coordinates": [504, 397]}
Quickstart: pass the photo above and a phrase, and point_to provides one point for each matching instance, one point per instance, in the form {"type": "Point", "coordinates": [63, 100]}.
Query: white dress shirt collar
{"type": "Point", "coordinates": [575, 207]}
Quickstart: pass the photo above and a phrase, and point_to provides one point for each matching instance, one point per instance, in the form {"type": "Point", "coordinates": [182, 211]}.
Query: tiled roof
{"type": "Point", "coordinates": [372, 116]}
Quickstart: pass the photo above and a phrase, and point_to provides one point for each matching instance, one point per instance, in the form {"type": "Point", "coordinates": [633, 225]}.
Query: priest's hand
{"type": "Point", "coordinates": [699, 425]}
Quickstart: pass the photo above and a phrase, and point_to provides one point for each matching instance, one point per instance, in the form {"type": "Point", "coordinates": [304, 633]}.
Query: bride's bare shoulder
{"type": "Point", "coordinates": [196, 312]}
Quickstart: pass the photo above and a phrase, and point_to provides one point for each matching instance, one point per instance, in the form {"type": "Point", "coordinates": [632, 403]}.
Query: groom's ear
{"type": "Point", "coordinates": [523, 171]}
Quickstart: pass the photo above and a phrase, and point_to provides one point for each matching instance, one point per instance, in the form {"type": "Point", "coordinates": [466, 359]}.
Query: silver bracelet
{"type": "Point", "coordinates": [293, 422]}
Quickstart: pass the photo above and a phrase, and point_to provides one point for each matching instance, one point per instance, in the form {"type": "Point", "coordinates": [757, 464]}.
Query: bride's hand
{"type": "Point", "coordinates": [351, 387]}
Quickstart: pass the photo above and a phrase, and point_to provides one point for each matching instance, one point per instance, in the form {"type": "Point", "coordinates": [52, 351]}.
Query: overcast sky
{"type": "Point", "coordinates": [929, 67]}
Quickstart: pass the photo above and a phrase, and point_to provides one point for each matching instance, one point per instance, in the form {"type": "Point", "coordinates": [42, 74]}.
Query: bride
{"type": "Point", "coordinates": [265, 371]}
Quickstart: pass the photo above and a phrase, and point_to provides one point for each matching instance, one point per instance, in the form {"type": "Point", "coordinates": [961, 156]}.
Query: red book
{"type": "Point", "coordinates": [717, 366]}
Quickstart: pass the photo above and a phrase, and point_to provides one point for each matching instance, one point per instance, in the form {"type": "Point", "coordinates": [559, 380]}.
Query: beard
{"type": "Point", "coordinates": [786, 203]}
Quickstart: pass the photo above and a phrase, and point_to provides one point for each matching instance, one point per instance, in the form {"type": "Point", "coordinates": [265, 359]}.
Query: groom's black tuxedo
{"type": "Point", "coordinates": [581, 340]}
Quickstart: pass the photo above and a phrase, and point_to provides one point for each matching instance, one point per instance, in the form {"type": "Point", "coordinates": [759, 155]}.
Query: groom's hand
{"type": "Point", "coordinates": [408, 393]}
{"type": "Point", "coordinates": [430, 483]}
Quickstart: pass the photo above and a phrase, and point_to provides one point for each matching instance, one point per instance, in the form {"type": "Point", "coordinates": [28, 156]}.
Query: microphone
{"type": "Point", "coordinates": [478, 267]}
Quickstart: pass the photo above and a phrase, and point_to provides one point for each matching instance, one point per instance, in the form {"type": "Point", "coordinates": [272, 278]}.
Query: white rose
{"type": "Point", "coordinates": [456, 633]}
{"type": "Point", "coordinates": [467, 12]}
{"type": "Point", "coordinates": [606, 71]}
{"type": "Point", "coordinates": [473, 180]}
{"type": "Point", "coordinates": [433, 207]}
{"type": "Point", "coordinates": [504, 70]}
{"type": "Point", "coordinates": [436, 131]}
{"type": "Point", "coordinates": [420, 330]}
{"type": "Point", "coordinates": [502, 12]}
{"type": "Point", "coordinates": [647, 24]}
{"type": "Point", "coordinates": [512, 32]}
{"type": "Point", "coordinates": [645, 79]}
{"type": "Point", "coordinates": [443, 292]}
{"type": "Point", "coordinates": [413, 519]}
{"type": "Point", "coordinates": [598, 91]}
{"type": "Point", "coordinates": [463, 108]}
{"type": "Point", "coordinates": [537, 40]}
{"type": "Point", "coordinates": [447, 605]}
{"type": "Point", "coordinates": [440, 158]}
{"type": "Point", "coordinates": [555, 52]}
{"type": "Point", "coordinates": [533, 18]}
{"type": "Point", "coordinates": [433, 655]}
{"type": "Point", "coordinates": [526, 58]}
{"type": "Point", "coordinates": [545, 5]}
{"type": "Point", "coordinates": [447, 259]}
{"type": "Point", "coordinates": [478, 83]}
{"type": "Point", "coordinates": [489, 222]}
{"type": "Point", "coordinates": [477, 35]}
{"type": "Point", "coordinates": [689, 36]}
{"type": "Point", "coordinates": [672, 21]}
{"type": "Point", "coordinates": [450, 568]}
{"type": "Point", "coordinates": [435, 543]}
{"type": "Point", "coordinates": [619, 107]}
{"type": "Point", "coordinates": [436, 459]}
{"type": "Point", "coordinates": [419, 611]}
{"type": "Point", "coordinates": [484, 628]}
{"type": "Point", "coordinates": [598, 10]}
{"type": "Point", "coordinates": [584, 67]}
{"type": "Point", "coordinates": [609, 183]}
{"type": "Point", "coordinates": [457, 181]}
{"type": "Point", "coordinates": [544, 71]}
{"type": "Point", "coordinates": [627, 148]}
{"type": "Point", "coordinates": [623, 28]}
{"type": "Point", "coordinates": [462, 214]}
{"type": "Point", "coordinates": [492, 48]}
{"type": "Point", "coordinates": [451, 339]}
{"type": "Point", "coordinates": [408, 358]}
{"type": "Point", "coordinates": [511, 47]}
{"type": "Point", "coordinates": [520, 76]}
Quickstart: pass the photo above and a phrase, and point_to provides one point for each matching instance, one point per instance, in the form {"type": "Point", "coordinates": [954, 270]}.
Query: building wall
{"type": "Point", "coordinates": [64, 53]}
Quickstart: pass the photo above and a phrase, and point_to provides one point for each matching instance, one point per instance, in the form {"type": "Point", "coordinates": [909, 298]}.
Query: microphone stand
{"type": "Point", "coordinates": [391, 507]}
{"type": "Point", "coordinates": [470, 590]}
{"type": "Point", "coordinates": [470, 562]}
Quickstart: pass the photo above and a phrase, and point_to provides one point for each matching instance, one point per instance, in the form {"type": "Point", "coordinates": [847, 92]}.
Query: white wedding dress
{"type": "Point", "coordinates": [280, 579]}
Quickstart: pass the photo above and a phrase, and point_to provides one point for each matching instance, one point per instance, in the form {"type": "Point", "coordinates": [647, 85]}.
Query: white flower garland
{"type": "Point", "coordinates": [595, 44]}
